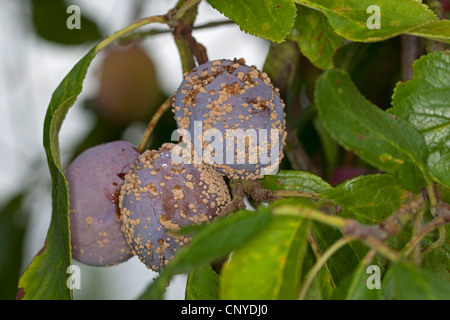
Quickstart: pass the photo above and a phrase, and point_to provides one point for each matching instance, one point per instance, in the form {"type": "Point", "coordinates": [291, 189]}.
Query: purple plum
{"type": "Point", "coordinates": [94, 180]}
{"type": "Point", "coordinates": [160, 196]}
{"type": "Point", "coordinates": [234, 116]}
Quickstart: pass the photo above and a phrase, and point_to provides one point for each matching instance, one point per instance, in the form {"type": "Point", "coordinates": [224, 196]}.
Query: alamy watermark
{"type": "Point", "coordinates": [74, 280]}
{"type": "Point", "coordinates": [374, 280]}
{"type": "Point", "coordinates": [74, 20]}
{"type": "Point", "coordinates": [374, 21]}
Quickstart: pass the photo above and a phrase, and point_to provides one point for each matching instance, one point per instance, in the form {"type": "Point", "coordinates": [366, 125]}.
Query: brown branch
{"type": "Point", "coordinates": [139, 35]}
{"type": "Point", "coordinates": [237, 202]}
{"type": "Point", "coordinates": [391, 225]}
{"type": "Point", "coordinates": [187, 46]}
{"type": "Point", "coordinates": [410, 52]}
{"type": "Point", "coordinates": [430, 226]}
{"type": "Point", "coordinates": [296, 154]}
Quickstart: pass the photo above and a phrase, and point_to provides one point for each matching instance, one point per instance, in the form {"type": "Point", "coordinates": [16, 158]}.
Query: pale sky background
{"type": "Point", "coordinates": [32, 68]}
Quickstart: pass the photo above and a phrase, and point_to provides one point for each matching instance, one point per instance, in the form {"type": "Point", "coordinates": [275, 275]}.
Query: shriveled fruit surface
{"type": "Point", "coordinates": [160, 196]}
{"type": "Point", "coordinates": [228, 101]}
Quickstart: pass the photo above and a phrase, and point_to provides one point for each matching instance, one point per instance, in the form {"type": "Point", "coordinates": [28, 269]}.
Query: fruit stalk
{"type": "Point", "coordinates": [151, 125]}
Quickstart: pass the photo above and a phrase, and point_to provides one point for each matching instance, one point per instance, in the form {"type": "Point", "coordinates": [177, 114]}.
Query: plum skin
{"type": "Point", "coordinates": [94, 180]}
{"type": "Point", "coordinates": [160, 196]}
{"type": "Point", "coordinates": [227, 95]}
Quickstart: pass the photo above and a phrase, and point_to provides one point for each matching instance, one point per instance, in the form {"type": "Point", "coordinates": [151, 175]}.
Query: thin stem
{"type": "Point", "coordinates": [138, 35]}
{"type": "Point", "coordinates": [139, 23]}
{"type": "Point", "coordinates": [382, 248]}
{"type": "Point", "coordinates": [295, 193]}
{"type": "Point", "coordinates": [316, 249]}
{"type": "Point", "coordinates": [432, 197]}
{"type": "Point", "coordinates": [168, 19]}
{"type": "Point", "coordinates": [314, 245]}
{"type": "Point", "coordinates": [319, 263]}
{"type": "Point", "coordinates": [369, 256]}
{"type": "Point", "coordinates": [312, 214]}
{"type": "Point", "coordinates": [430, 226]}
{"type": "Point", "coordinates": [439, 242]}
{"type": "Point", "coordinates": [151, 125]}
{"type": "Point", "coordinates": [417, 225]}
{"type": "Point", "coordinates": [185, 7]}
{"type": "Point", "coordinates": [213, 24]}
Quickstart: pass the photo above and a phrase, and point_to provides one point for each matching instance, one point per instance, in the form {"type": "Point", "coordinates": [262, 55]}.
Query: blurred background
{"type": "Point", "coordinates": [123, 87]}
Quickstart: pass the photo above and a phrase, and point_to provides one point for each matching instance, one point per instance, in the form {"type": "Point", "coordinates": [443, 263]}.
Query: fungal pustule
{"type": "Point", "coordinates": [160, 196]}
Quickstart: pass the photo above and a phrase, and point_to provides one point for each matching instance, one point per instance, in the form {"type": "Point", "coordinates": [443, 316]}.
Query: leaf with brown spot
{"type": "Point", "coordinates": [269, 266]}
{"type": "Point", "coordinates": [269, 19]}
{"type": "Point", "coordinates": [20, 294]}
{"type": "Point", "coordinates": [349, 19]}
{"type": "Point", "coordinates": [391, 145]}
{"type": "Point", "coordinates": [315, 37]}
{"type": "Point", "coordinates": [45, 277]}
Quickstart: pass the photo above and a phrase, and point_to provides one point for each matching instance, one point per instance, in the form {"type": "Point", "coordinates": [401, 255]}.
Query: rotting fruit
{"type": "Point", "coordinates": [128, 85]}
{"type": "Point", "coordinates": [218, 99]}
{"type": "Point", "coordinates": [94, 180]}
{"type": "Point", "coordinates": [160, 196]}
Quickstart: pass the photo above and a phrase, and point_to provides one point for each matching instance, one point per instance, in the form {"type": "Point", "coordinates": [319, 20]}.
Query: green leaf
{"type": "Point", "coordinates": [45, 277]}
{"type": "Point", "coordinates": [50, 18]}
{"type": "Point", "coordinates": [329, 146]}
{"type": "Point", "coordinates": [438, 262]}
{"type": "Point", "coordinates": [269, 19]}
{"type": "Point", "coordinates": [219, 238]}
{"type": "Point", "coordinates": [425, 102]}
{"type": "Point", "coordinates": [323, 284]}
{"type": "Point", "coordinates": [215, 240]}
{"type": "Point", "coordinates": [386, 142]}
{"type": "Point", "coordinates": [322, 287]}
{"type": "Point", "coordinates": [349, 19]}
{"type": "Point", "coordinates": [281, 66]}
{"type": "Point", "coordinates": [13, 220]}
{"type": "Point", "coordinates": [369, 199]}
{"type": "Point", "coordinates": [407, 282]}
{"type": "Point", "coordinates": [341, 263]}
{"type": "Point", "coordinates": [295, 181]}
{"type": "Point", "coordinates": [354, 287]}
{"type": "Point", "coordinates": [269, 265]}
{"type": "Point", "coordinates": [436, 30]}
{"type": "Point", "coordinates": [315, 37]}
{"type": "Point", "coordinates": [202, 284]}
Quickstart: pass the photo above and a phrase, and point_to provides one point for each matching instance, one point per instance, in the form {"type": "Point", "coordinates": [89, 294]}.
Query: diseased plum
{"type": "Point", "coordinates": [161, 195]}
{"type": "Point", "coordinates": [234, 116]}
{"type": "Point", "coordinates": [128, 85]}
{"type": "Point", "coordinates": [94, 180]}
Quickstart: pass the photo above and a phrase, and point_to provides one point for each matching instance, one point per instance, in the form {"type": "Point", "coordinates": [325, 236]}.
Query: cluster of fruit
{"type": "Point", "coordinates": [123, 203]}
